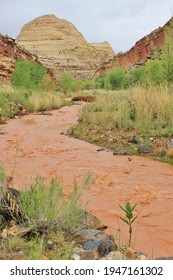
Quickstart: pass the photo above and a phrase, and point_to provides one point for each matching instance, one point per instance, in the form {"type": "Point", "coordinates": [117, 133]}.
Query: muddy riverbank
{"type": "Point", "coordinates": [38, 144]}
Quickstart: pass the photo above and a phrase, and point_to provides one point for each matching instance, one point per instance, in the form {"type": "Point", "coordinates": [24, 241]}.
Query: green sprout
{"type": "Point", "coordinates": [129, 215]}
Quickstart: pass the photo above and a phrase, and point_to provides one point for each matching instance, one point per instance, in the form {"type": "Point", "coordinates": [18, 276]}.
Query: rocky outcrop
{"type": "Point", "coordinates": [60, 46]}
{"type": "Point", "coordinates": [146, 48]}
{"type": "Point", "coordinates": [10, 52]}
{"type": "Point", "coordinates": [104, 47]}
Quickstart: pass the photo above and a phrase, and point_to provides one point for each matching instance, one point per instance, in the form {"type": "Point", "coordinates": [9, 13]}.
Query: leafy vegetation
{"type": "Point", "coordinates": [118, 78]}
{"type": "Point", "coordinates": [14, 100]}
{"type": "Point", "coordinates": [153, 72]}
{"type": "Point", "coordinates": [129, 118]}
{"type": "Point", "coordinates": [31, 75]}
{"type": "Point", "coordinates": [48, 214]}
{"type": "Point", "coordinates": [67, 84]}
{"type": "Point", "coordinates": [128, 209]}
{"type": "Point", "coordinates": [64, 210]}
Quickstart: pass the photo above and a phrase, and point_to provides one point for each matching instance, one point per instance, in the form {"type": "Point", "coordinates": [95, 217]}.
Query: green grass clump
{"type": "Point", "coordinates": [144, 113]}
{"type": "Point", "coordinates": [12, 99]}
{"type": "Point", "coordinates": [48, 214]}
{"type": "Point", "coordinates": [47, 204]}
{"type": "Point", "coordinates": [143, 110]}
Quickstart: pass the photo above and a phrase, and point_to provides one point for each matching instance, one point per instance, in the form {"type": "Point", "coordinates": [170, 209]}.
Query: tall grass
{"type": "Point", "coordinates": [145, 110]}
{"type": "Point", "coordinates": [48, 214]}
{"type": "Point", "coordinates": [32, 101]}
{"type": "Point", "coordinates": [48, 204]}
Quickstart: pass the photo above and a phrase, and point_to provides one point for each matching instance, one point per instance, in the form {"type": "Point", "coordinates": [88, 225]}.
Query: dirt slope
{"type": "Point", "coordinates": [35, 144]}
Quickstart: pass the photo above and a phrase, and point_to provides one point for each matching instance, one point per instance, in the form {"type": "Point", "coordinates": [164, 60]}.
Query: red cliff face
{"type": "Point", "coordinates": [10, 52]}
{"type": "Point", "coordinates": [143, 49]}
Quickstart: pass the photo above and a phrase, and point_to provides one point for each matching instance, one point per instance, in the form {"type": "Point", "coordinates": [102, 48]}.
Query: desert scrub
{"type": "Point", "coordinates": [45, 205]}
{"type": "Point", "coordinates": [32, 101]}
{"type": "Point", "coordinates": [48, 214]}
{"type": "Point", "coordinates": [147, 111]}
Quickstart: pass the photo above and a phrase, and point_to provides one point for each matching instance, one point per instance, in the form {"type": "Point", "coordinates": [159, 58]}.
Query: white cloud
{"type": "Point", "coordinates": [121, 23]}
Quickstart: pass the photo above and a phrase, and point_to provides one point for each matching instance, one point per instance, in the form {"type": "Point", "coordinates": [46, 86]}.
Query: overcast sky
{"type": "Point", "coordinates": [121, 23]}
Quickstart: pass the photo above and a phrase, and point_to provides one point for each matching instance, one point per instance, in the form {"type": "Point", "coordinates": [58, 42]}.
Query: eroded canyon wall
{"type": "Point", "coordinates": [9, 54]}
{"type": "Point", "coordinates": [143, 49]}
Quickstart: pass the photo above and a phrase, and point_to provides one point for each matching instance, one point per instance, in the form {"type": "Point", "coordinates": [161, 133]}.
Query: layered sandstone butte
{"type": "Point", "coordinates": [60, 46]}
{"type": "Point", "coordinates": [144, 49]}
{"type": "Point", "coordinates": [9, 54]}
{"type": "Point", "coordinates": [104, 47]}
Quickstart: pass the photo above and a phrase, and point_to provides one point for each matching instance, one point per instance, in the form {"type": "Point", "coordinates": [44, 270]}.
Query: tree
{"type": "Point", "coordinates": [28, 74]}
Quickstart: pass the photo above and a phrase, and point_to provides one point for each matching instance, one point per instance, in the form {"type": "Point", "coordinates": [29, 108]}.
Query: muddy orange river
{"type": "Point", "coordinates": [37, 144]}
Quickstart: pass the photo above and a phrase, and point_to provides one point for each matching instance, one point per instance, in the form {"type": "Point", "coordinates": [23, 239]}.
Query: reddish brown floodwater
{"type": "Point", "coordinates": [34, 145]}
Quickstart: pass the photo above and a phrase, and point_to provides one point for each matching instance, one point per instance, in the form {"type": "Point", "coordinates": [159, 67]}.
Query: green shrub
{"type": "Point", "coordinates": [167, 64]}
{"type": "Point", "coordinates": [68, 84]}
{"type": "Point", "coordinates": [151, 73]}
{"type": "Point", "coordinates": [99, 82]}
{"type": "Point", "coordinates": [44, 203]}
{"type": "Point", "coordinates": [118, 78]}
{"type": "Point", "coordinates": [31, 75]}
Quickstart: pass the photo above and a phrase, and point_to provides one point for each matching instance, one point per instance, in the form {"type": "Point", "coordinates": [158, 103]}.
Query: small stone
{"type": "Point", "coordinates": [133, 140]}
{"type": "Point", "coordinates": [106, 247]}
{"type": "Point", "coordinates": [81, 254]}
{"type": "Point", "coordinates": [144, 149]}
{"type": "Point", "coordinates": [22, 254]}
{"type": "Point", "coordinates": [120, 151]}
{"type": "Point", "coordinates": [90, 245]}
{"type": "Point", "coordinates": [116, 255]}
{"type": "Point", "coordinates": [100, 150]}
{"type": "Point", "coordinates": [170, 144]}
{"type": "Point", "coordinates": [50, 244]}
{"type": "Point", "coordinates": [91, 221]}
{"type": "Point", "coordinates": [130, 254]}
{"type": "Point", "coordinates": [143, 257]}
{"type": "Point", "coordinates": [86, 235]}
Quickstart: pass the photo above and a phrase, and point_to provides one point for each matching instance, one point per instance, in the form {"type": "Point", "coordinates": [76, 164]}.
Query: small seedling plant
{"type": "Point", "coordinates": [130, 218]}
